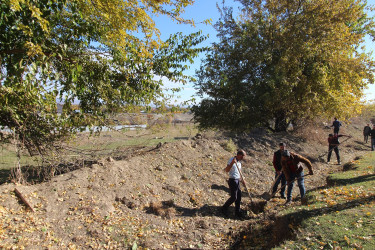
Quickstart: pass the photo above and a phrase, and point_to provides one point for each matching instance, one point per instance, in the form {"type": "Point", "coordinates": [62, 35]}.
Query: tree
{"type": "Point", "coordinates": [103, 54]}
{"type": "Point", "coordinates": [284, 61]}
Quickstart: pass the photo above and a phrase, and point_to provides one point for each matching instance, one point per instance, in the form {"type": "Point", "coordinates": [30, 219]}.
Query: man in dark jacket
{"type": "Point", "coordinates": [279, 175]}
{"type": "Point", "coordinates": [333, 144]}
{"type": "Point", "coordinates": [366, 132]}
{"type": "Point", "coordinates": [290, 163]}
{"type": "Point", "coordinates": [372, 134]}
{"type": "Point", "coordinates": [336, 126]}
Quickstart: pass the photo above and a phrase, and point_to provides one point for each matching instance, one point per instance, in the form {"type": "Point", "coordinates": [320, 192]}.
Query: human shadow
{"type": "Point", "coordinates": [164, 210]}
{"type": "Point", "coordinates": [219, 187]}
{"type": "Point", "coordinates": [226, 189]}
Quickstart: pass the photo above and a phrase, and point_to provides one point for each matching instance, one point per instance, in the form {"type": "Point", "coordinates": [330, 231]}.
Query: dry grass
{"type": "Point", "coordinates": [164, 209]}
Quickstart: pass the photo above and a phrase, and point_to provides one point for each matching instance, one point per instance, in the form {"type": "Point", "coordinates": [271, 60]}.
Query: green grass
{"type": "Point", "coordinates": [84, 146]}
{"type": "Point", "coordinates": [113, 140]}
{"type": "Point", "coordinates": [341, 216]}
{"type": "Point", "coordinates": [130, 138]}
{"type": "Point", "coordinates": [8, 159]}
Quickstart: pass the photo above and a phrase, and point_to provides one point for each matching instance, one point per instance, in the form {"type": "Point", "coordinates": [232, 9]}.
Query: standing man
{"type": "Point", "coordinates": [290, 163]}
{"type": "Point", "coordinates": [372, 134]}
{"type": "Point", "coordinates": [366, 132]}
{"type": "Point", "coordinates": [279, 175]}
{"type": "Point", "coordinates": [333, 144]}
{"type": "Point", "coordinates": [233, 167]}
{"type": "Point", "coordinates": [336, 126]}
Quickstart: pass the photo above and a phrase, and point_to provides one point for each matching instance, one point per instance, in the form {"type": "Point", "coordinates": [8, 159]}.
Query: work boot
{"type": "Point", "coordinates": [282, 196]}
{"type": "Point", "coordinates": [338, 163]}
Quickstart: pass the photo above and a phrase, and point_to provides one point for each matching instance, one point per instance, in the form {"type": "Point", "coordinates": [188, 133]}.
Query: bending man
{"type": "Point", "coordinates": [290, 163]}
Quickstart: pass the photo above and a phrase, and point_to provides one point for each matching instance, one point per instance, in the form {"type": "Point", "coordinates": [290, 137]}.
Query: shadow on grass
{"type": "Point", "coordinates": [349, 181]}
{"type": "Point", "coordinates": [297, 218]}
{"type": "Point", "coordinates": [343, 182]}
{"type": "Point", "coordinates": [282, 229]}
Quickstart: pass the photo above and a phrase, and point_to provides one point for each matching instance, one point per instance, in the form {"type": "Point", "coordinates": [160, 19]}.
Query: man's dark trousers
{"type": "Point", "coordinates": [336, 149]}
{"type": "Point", "coordinates": [235, 195]}
{"type": "Point", "coordinates": [281, 179]}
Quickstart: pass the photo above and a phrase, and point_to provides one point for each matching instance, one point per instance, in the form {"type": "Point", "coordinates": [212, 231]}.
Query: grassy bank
{"type": "Point", "coordinates": [93, 147]}
{"type": "Point", "coordinates": [340, 215]}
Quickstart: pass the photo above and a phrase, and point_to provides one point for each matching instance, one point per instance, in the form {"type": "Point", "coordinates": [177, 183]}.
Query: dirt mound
{"type": "Point", "coordinates": [166, 197]}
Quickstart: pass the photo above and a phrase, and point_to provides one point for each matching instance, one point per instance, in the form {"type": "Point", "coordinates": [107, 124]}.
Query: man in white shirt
{"type": "Point", "coordinates": [233, 167]}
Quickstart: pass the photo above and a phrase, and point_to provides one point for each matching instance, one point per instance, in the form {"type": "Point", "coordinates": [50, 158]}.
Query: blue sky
{"type": "Point", "coordinates": [206, 9]}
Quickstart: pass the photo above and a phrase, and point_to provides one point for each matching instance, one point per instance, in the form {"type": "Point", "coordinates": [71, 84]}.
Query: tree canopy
{"type": "Point", "coordinates": [283, 61]}
{"type": "Point", "coordinates": [104, 54]}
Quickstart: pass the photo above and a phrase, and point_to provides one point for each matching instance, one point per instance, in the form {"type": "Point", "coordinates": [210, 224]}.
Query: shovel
{"type": "Point", "coordinates": [255, 207]}
{"type": "Point", "coordinates": [320, 156]}
{"type": "Point", "coordinates": [268, 196]}
{"type": "Point", "coordinates": [247, 190]}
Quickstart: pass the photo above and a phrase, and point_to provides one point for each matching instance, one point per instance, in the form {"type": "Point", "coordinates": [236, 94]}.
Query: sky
{"type": "Point", "coordinates": [206, 9]}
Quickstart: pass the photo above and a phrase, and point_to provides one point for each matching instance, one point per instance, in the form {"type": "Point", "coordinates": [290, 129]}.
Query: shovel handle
{"type": "Point", "coordinates": [278, 177]}
{"type": "Point", "coordinates": [247, 190]}
{"type": "Point", "coordinates": [320, 156]}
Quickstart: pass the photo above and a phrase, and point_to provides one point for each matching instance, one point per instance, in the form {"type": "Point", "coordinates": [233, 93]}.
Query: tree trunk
{"type": "Point", "coordinates": [281, 123]}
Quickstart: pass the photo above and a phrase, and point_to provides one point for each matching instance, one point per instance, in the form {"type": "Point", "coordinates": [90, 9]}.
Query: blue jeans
{"type": "Point", "coordinates": [372, 144]}
{"type": "Point", "coordinates": [301, 185]}
{"type": "Point", "coordinates": [281, 180]}
{"type": "Point", "coordinates": [235, 195]}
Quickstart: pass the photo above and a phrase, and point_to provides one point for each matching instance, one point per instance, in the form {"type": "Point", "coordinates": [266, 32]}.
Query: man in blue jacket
{"type": "Point", "coordinates": [336, 126]}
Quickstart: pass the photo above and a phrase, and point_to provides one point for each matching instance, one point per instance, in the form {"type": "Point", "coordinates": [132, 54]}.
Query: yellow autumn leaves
{"type": "Point", "coordinates": [127, 26]}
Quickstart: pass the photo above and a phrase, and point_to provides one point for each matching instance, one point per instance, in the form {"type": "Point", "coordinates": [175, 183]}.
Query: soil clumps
{"type": "Point", "coordinates": [166, 197]}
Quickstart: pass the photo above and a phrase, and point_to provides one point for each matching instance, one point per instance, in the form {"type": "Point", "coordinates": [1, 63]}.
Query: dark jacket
{"type": "Point", "coordinates": [372, 133]}
{"type": "Point", "coordinates": [336, 124]}
{"type": "Point", "coordinates": [334, 140]}
{"type": "Point", "coordinates": [290, 165]}
{"type": "Point", "coordinates": [277, 160]}
{"type": "Point", "coordinates": [366, 130]}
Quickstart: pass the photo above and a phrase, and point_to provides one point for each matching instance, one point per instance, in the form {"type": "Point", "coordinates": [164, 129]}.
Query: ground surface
{"type": "Point", "coordinates": [162, 197]}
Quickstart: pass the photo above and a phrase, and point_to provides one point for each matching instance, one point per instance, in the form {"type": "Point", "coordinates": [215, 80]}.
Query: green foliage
{"type": "Point", "coordinates": [284, 61]}
{"type": "Point", "coordinates": [103, 54]}
{"type": "Point", "coordinates": [229, 146]}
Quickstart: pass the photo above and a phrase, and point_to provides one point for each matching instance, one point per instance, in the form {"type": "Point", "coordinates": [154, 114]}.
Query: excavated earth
{"type": "Point", "coordinates": [163, 197]}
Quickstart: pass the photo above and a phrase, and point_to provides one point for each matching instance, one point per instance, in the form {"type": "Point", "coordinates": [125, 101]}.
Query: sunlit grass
{"type": "Point", "coordinates": [341, 216]}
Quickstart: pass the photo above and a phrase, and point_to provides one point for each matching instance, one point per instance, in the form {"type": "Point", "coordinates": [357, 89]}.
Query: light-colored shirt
{"type": "Point", "coordinates": [233, 172]}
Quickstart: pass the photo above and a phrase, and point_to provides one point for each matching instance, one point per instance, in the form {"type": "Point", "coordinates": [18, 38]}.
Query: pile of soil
{"type": "Point", "coordinates": [163, 197]}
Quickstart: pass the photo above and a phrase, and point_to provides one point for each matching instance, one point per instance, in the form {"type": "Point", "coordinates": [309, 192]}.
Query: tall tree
{"type": "Point", "coordinates": [282, 61]}
{"type": "Point", "coordinates": [104, 54]}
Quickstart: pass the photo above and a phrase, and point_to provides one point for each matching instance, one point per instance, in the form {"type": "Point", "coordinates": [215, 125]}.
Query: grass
{"type": "Point", "coordinates": [341, 216]}
{"type": "Point", "coordinates": [129, 138]}
{"type": "Point", "coordinates": [105, 144]}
